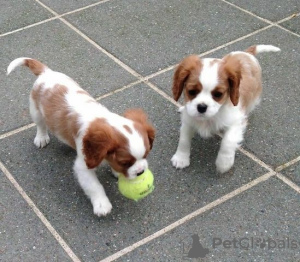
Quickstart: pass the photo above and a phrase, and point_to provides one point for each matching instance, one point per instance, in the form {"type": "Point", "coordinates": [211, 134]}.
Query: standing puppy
{"type": "Point", "coordinates": [219, 94]}
{"type": "Point", "coordinates": [58, 103]}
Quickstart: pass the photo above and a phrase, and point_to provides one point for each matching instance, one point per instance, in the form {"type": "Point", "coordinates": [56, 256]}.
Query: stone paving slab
{"type": "Point", "coordinates": [46, 175]}
{"type": "Point", "coordinates": [268, 211]}
{"type": "Point", "coordinates": [63, 6]}
{"type": "Point", "coordinates": [273, 130]}
{"type": "Point", "coordinates": [23, 237]}
{"type": "Point", "coordinates": [274, 10]}
{"type": "Point", "coordinates": [15, 14]}
{"type": "Point", "coordinates": [293, 173]}
{"type": "Point", "coordinates": [65, 51]}
{"type": "Point", "coordinates": [150, 35]}
{"type": "Point", "coordinates": [293, 24]}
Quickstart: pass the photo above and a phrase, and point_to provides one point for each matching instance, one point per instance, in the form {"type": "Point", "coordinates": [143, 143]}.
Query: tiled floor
{"type": "Point", "coordinates": [124, 52]}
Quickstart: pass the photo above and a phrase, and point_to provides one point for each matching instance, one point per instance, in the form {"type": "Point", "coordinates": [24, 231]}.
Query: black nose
{"type": "Point", "coordinates": [201, 108]}
{"type": "Point", "coordinates": [138, 174]}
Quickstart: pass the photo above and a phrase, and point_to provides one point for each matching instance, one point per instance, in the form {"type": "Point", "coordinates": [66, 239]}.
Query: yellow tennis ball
{"type": "Point", "coordinates": [138, 187]}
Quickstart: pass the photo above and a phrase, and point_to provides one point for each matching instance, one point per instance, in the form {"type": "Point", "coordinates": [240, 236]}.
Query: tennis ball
{"type": "Point", "coordinates": [138, 187]}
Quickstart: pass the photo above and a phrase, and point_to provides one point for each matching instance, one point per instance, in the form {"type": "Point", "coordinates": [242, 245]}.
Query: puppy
{"type": "Point", "coordinates": [58, 103]}
{"type": "Point", "coordinates": [219, 95]}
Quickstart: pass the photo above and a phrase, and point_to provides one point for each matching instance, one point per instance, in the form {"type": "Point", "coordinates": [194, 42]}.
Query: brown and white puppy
{"type": "Point", "coordinates": [219, 94]}
{"type": "Point", "coordinates": [58, 103]}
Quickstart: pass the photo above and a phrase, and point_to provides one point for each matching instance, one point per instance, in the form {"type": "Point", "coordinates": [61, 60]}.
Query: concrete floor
{"type": "Point", "coordinates": [124, 52]}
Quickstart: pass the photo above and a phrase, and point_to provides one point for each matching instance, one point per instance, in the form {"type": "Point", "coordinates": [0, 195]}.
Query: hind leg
{"type": "Point", "coordinates": [42, 138]}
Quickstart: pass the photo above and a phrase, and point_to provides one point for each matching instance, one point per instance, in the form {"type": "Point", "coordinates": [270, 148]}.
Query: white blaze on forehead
{"type": "Point", "coordinates": [135, 140]}
{"type": "Point", "coordinates": [209, 74]}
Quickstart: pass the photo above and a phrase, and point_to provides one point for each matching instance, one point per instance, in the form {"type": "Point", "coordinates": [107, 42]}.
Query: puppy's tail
{"type": "Point", "coordinates": [35, 66]}
{"type": "Point", "coordinates": [256, 49]}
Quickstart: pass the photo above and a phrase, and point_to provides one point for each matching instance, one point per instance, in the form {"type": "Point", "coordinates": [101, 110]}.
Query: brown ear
{"type": "Point", "coordinates": [182, 72]}
{"type": "Point", "coordinates": [232, 70]}
{"type": "Point", "coordinates": [139, 116]}
{"type": "Point", "coordinates": [97, 142]}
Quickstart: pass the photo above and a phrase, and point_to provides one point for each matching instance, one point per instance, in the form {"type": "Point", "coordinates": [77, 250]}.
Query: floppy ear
{"type": "Point", "coordinates": [232, 70]}
{"type": "Point", "coordinates": [139, 116]}
{"type": "Point", "coordinates": [98, 142]}
{"type": "Point", "coordinates": [182, 73]}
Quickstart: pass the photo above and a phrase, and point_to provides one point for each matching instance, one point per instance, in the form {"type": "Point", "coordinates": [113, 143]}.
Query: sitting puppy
{"type": "Point", "coordinates": [219, 94]}
{"type": "Point", "coordinates": [74, 117]}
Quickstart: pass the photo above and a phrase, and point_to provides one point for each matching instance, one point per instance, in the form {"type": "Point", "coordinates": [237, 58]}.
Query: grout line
{"type": "Point", "coordinates": [211, 50]}
{"type": "Point", "coordinates": [248, 12]}
{"type": "Point", "coordinates": [40, 215]}
{"type": "Point", "coordinates": [28, 26]}
{"type": "Point", "coordinates": [118, 90]}
{"type": "Point", "coordinates": [57, 16]}
{"type": "Point", "coordinates": [18, 130]}
{"type": "Point", "coordinates": [287, 30]}
{"type": "Point", "coordinates": [288, 182]}
{"type": "Point", "coordinates": [288, 18]}
{"type": "Point", "coordinates": [116, 60]}
{"type": "Point", "coordinates": [162, 93]}
{"type": "Point", "coordinates": [292, 162]}
{"type": "Point", "coordinates": [256, 159]}
{"type": "Point", "coordinates": [84, 7]}
{"type": "Point", "coordinates": [189, 217]}
{"type": "Point", "coordinates": [48, 8]}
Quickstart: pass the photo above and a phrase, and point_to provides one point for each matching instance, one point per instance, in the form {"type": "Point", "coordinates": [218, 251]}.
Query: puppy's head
{"type": "Point", "coordinates": [124, 145]}
{"type": "Point", "coordinates": [207, 84]}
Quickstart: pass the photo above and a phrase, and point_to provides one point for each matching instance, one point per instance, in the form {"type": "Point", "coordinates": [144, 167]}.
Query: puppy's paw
{"type": "Point", "coordinates": [101, 206]}
{"type": "Point", "coordinates": [224, 162]}
{"type": "Point", "coordinates": [41, 141]}
{"type": "Point", "coordinates": [180, 161]}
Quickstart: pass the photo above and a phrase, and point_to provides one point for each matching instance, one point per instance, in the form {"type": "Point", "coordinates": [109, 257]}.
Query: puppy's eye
{"type": "Point", "coordinates": [192, 92]}
{"type": "Point", "coordinates": [217, 94]}
{"type": "Point", "coordinates": [125, 164]}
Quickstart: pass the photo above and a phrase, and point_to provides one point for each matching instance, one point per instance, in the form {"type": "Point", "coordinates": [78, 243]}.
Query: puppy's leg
{"type": "Point", "coordinates": [232, 139]}
{"type": "Point", "coordinates": [91, 186]}
{"type": "Point", "coordinates": [42, 138]}
{"type": "Point", "coordinates": [181, 159]}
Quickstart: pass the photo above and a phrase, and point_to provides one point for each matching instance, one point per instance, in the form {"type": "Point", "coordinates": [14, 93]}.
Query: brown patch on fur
{"type": "Point", "coordinates": [143, 126]}
{"type": "Point", "coordinates": [243, 77]}
{"type": "Point", "coordinates": [102, 141]}
{"type": "Point", "coordinates": [59, 119]}
{"type": "Point", "coordinates": [220, 89]}
{"type": "Point", "coordinates": [192, 87]}
{"type": "Point", "coordinates": [36, 94]}
{"type": "Point", "coordinates": [121, 160]}
{"type": "Point", "coordinates": [35, 66]}
{"type": "Point", "coordinates": [251, 50]}
{"type": "Point", "coordinates": [128, 129]}
{"type": "Point", "coordinates": [188, 68]}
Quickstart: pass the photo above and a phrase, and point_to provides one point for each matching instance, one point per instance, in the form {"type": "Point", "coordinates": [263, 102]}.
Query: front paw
{"type": "Point", "coordinates": [224, 162]}
{"type": "Point", "coordinates": [101, 206]}
{"type": "Point", "coordinates": [180, 161]}
{"type": "Point", "coordinates": [41, 141]}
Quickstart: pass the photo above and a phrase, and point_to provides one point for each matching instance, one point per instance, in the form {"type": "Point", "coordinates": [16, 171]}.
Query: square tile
{"type": "Point", "coordinates": [66, 6]}
{"type": "Point", "coordinates": [273, 130]}
{"type": "Point", "coordinates": [274, 10]}
{"type": "Point", "coordinates": [149, 35]}
{"type": "Point", "coordinates": [292, 24]}
{"type": "Point", "coordinates": [63, 51]}
{"type": "Point", "coordinates": [293, 173]}
{"type": "Point", "coordinates": [23, 237]}
{"type": "Point", "coordinates": [47, 177]}
{"type": "Point", "coordinates": [15, 14]}
{"type": "Point", "coordinates": [261, 224]}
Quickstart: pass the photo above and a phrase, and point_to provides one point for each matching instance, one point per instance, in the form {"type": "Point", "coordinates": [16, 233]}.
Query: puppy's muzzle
{"type": "Point", "coordinates": [201, 108]}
